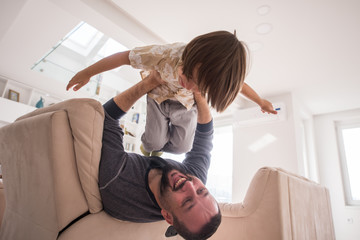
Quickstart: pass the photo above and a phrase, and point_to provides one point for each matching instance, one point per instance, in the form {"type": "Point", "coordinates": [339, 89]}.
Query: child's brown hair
{"type": "Point", "coordinates": [221, 58]}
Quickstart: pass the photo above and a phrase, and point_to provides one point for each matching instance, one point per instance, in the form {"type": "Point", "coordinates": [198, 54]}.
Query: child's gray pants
{"type": "Point", "coordinates": [169, 127]}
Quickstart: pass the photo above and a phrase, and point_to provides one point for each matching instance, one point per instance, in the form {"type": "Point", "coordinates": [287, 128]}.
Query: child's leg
{"type": "Point", "coordinates": [156, 133]}
{"type": "Point", "coordinates": [182, 128]}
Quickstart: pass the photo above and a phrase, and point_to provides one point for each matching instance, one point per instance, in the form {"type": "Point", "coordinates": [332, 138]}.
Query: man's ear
{"type": "Point", "coordinates": [168, 216]}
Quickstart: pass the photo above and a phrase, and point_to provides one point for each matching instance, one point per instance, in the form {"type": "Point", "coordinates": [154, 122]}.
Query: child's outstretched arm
{"type": "Point", "coordinates": [105, 64]}
{"type": "Point", "coordinates": [250, 93]}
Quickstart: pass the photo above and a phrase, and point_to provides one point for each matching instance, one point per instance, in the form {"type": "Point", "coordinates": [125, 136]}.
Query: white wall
{"type": "Point", "coordinates": [39, 25]}
{"type": "Point", "coordinates": [346, 218]}
{"type": "Point", "coordinates": [281, 153]}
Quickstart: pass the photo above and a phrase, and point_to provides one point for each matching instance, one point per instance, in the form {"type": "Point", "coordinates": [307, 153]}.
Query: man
{"type": "Point", "coordinates": [145, 189]}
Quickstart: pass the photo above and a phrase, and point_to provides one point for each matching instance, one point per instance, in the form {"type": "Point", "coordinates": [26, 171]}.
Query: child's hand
{"type": "Point", "coordinates": [79, 80]}
{"type": "Point", "coordinates": [266, 106]}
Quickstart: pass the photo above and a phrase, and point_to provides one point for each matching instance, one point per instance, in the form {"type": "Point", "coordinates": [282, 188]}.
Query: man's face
{"type": "Point", "coordinates": [188, 199]}
{"type": "Point", "coordinates": [188, 83]}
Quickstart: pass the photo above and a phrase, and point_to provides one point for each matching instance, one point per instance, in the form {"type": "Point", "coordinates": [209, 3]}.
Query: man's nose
{"type": "Point", "coordinates": [189, 187]}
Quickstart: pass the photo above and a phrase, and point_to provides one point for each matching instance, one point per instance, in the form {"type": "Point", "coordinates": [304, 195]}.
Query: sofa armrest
{"type": "Point", "coordinates": [279, 205]}
{"type": "Point", "coordinates": [86, 120]}
{"type": "Point", "coordinates": [2, 200]}
{"type": "Point", "coordinates": [253, 197]}
{"type": "Point", "coordinates": [36, 177]}
{"type": "Point", "coordinates": [50, 159]}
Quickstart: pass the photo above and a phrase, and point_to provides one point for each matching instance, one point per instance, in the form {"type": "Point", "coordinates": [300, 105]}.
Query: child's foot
{"type": "Point", "coordinates": [142, 149]}
{"type": "Point", "coordinates": [156, 154]}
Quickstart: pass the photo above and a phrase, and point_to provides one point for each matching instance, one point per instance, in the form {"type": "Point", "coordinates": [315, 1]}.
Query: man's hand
{"type": "Point", "coordinates": [266, 106]}
{"type": "Point", "coordinates": [204, 114]}
{"type": "Point", "coordinates": [127, 98]}
{"type": "Point", "coordinates": [79, 80]}
{"type": "Point", "coordinates": [154, 78]}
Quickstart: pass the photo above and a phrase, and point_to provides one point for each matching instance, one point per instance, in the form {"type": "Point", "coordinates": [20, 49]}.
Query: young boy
{"type": "Point", "coordinates": [213, 64]}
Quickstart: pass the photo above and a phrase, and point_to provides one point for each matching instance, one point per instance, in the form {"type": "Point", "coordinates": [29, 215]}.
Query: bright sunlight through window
{"type": "Point", "coordinates": [219, 181]}
{"type": "Point", "coordinates": [349, 138]}
{"type": "Point", "coordinates": [81, 47]}
{"type": "Point", "coordinates": [220, 172]}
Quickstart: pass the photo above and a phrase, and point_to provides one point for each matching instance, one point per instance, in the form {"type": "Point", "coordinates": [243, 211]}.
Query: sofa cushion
{"type": "Point", "coordinates": [86, 119]}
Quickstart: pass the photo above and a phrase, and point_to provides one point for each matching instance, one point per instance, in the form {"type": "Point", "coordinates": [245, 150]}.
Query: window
{"type": "Point", "coordinates": [219, 181]}
{"type": "Point", "coordinates": [81, 47]}
{"type": "Point", "coordinates": [348, 139]}
{"type": "Point", "coordinates": [220, 172]}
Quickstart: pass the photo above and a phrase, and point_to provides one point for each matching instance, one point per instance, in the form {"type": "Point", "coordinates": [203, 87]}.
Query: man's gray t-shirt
{"type": "Point", "coordinates": [123, 177]}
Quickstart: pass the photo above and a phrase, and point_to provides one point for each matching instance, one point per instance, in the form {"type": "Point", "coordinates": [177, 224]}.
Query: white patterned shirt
{"type": "Point", "coordinates": [165, 59]}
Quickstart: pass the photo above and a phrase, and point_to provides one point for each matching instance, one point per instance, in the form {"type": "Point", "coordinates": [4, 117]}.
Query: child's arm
{"type": "Point", "coordinates": [105, 64]}
{"type": "Point", "coordinates": [265, 105]}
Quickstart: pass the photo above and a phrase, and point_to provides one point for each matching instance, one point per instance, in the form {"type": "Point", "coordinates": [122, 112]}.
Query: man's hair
{"type": "Point", "coordinates": [221, 58]}
{"type": "Point", "coordinates": [205, 232]}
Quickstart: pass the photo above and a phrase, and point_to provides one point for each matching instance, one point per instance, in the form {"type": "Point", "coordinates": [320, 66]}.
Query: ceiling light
{"type": "Point", "coordinates": [264, 28]}
{"type": "Point", "coordinates": [263, 10]}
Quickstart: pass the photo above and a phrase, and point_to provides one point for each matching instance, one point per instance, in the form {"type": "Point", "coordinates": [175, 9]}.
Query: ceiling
{"type": "Point", "coordinates": [312, 49]}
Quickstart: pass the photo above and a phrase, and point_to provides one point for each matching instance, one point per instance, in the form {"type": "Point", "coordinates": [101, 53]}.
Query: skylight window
{"type": "Point", "coordinates": [83, 39]}
{"type": "Point", "coordinates": [84, 34]}
{"type": "Point", "coordinates": [111, 46]}
{"type": "Point", "coordinates": [81, 47]}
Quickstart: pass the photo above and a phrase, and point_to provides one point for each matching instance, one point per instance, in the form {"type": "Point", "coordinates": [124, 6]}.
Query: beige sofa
{"type": "Point", "coordinates": [50, 163]}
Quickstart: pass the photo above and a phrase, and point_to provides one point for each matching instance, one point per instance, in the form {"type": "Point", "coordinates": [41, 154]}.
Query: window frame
{"type": "Point", "coordinates": [340, 126]}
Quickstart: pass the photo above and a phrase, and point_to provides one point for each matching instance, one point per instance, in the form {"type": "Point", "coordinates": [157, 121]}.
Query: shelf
{"type": "Point", "coordinates": [134, 122]}
{"type": "Point", "coordinates": [17, 99]}
{"type": "Point", "coordinates": [28, 97]}
{"type": "Point", "coordinates": [19, 92]}
{"type": "Point", "coordinates": [15, 91]}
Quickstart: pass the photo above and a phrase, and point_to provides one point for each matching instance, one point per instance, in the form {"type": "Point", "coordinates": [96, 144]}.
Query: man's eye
{"type": "Point", "coordinates": [188, 200]}
{"type": "Point", "coordinates": [201, 190]}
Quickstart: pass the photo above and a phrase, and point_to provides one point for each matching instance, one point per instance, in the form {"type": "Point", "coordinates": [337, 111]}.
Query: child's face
{"type": "Point", "coordinates": [188, 83]}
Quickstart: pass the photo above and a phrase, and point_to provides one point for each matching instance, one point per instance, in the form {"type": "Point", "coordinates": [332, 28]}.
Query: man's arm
{"type": "Point", "coordinates": [126, 99]}
{"type": "Point", "coordinates": [105, 64]}
{"type": "Point", "coordinates": [198, 159]}
{"type": "Point", "coordinates": [204, 114]}
{"type": "Point", "coordinates": [265, 105]}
